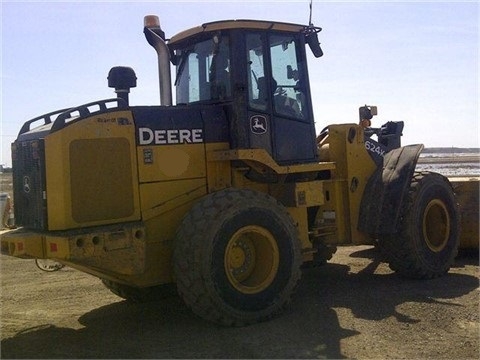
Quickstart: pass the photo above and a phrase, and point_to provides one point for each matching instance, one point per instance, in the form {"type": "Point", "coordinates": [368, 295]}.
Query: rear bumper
{"type": "Point", "coordinates": [22, 244]}
{"type": "Point", "coordinates": [111, 249]}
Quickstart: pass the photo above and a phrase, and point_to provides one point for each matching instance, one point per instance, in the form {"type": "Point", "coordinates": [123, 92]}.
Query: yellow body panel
{"type": "Point", "coordinates": [353, 168]}
{"type": "Point", "coordinates": [171, 162]}
{"type": "Point", "coordinates": [219, 173]}
{"type": "Point", "coordinates": [91, 163]}
{"type": "Point", "coordinates": [261, 159]}
{"type": "Point", "coordinates": [172, 175]}
{"type": "Point", "coordinates": [160, 197]}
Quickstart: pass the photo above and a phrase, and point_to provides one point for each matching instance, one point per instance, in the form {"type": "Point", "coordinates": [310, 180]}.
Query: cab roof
{"type": "Point", "coordinates": [237, 24]}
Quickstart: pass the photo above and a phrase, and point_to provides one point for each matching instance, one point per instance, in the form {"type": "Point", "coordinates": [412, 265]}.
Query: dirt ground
{"type": "Point", "coordinates": [354, 307]}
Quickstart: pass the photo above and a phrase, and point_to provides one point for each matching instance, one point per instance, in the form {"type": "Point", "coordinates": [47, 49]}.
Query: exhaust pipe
{"type": "Point", "coordinates": [156, 38]}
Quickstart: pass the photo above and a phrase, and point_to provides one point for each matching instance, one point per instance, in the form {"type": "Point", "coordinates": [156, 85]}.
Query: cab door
{"type": "Point", "coordinates": [280, 113]}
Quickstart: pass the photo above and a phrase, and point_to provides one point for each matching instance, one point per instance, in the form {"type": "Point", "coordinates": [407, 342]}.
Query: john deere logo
{"type": "Point", "coordinates": [258, 124]}
{"type": "Point", "coordinates": [26, 184]}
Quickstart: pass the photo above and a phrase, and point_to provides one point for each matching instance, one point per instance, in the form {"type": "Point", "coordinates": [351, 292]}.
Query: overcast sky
{"type": "Point", "coordinates": [417, 61]}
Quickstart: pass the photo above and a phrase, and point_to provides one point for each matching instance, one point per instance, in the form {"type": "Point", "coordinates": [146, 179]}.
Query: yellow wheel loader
{"type": "Point", "coordinates": [225, 195]}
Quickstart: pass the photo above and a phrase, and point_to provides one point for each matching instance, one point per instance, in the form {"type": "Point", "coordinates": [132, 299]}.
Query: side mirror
{"type": "Point", "coordinates": [312, 41]}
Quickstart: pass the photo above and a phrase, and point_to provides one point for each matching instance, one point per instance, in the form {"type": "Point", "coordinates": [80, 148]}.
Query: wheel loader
{"type": "Point", "coordinates": [227, 194]}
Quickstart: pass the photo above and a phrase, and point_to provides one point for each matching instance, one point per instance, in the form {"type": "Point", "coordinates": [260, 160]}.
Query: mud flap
{"type": "Point", "coordinates": [386, 189]}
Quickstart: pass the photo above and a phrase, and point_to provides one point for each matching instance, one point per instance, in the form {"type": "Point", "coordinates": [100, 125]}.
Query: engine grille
{"type": "Point", "coordinates": [30, 205]}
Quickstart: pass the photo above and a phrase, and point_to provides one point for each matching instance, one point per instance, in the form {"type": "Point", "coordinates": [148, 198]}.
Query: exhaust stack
{"type": "Point", "coordinates": [156, 38]}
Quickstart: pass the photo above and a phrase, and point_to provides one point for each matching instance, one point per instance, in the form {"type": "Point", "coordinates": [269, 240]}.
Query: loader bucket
{"type": "Point", "coordinates": [467, 192]}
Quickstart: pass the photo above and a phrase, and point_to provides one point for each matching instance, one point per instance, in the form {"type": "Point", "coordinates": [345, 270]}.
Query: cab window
{"type": "Point", "coordinates": [284, 89]}
{"type": "Point", "coordinates": [203, 71]}
{"type": "Point", "coordinates": [257, 82]}
{"type": "Point", "coordinates": [289, 95]}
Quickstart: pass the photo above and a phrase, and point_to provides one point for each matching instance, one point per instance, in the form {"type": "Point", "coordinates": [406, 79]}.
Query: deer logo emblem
{"type": "Point", "coordinates": [258, 124]}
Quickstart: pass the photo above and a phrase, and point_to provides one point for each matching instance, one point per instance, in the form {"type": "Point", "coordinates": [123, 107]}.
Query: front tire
{"type": "Point", "coordinates": [427, 241]}
{"type": "Point", "coordinates": [237, 257]}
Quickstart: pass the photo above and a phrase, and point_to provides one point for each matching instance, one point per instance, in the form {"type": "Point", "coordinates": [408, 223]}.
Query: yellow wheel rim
{"type": "Point", "coordinates": [251, 259]}
{"type": "Point", "coordinates": [436, 225]}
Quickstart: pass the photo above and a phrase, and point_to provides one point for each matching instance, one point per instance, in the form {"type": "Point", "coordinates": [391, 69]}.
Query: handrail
{"type": "Point", "coordinates": [84, 111]}
{"type": "Point", "coordinates": [47, 120]}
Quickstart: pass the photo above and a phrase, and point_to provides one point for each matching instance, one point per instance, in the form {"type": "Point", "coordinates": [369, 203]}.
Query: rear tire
{"type": "Point", "coordinates": [427, 241]}
{"type": "Point", "coordinates": [237, 257]}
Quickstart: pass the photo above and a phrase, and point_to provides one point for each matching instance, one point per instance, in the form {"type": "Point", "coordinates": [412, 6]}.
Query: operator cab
{"type": "Point", "coordinates": [258, 71]}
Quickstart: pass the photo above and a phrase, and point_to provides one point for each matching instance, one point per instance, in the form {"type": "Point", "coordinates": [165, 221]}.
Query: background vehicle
{"type": "Point", "coordinates": [229, 192]}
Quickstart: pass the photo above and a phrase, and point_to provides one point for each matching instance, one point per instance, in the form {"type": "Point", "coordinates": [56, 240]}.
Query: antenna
{"type": "Point", "coordinates": [310, 18]}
